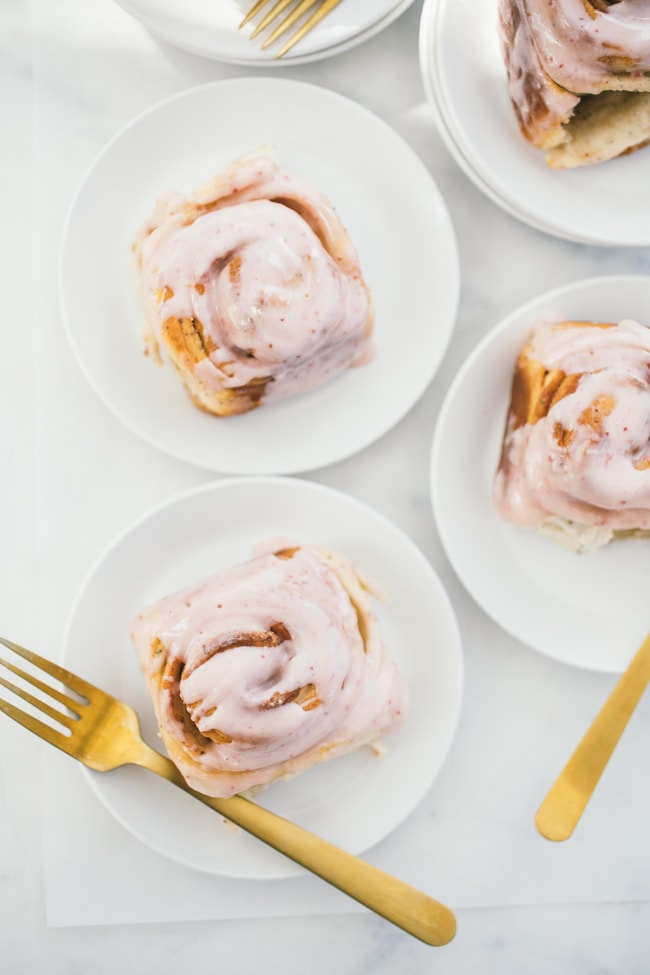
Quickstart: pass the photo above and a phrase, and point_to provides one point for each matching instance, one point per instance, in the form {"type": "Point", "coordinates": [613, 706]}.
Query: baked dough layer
{"type": "Point", "coordinates": [579, 76]}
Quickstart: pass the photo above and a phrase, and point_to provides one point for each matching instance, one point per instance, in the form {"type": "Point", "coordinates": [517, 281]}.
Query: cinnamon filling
{"type": "Point", "coordinates": [182, 712]}
{"type": "Point", "coordinates": [276, 634]}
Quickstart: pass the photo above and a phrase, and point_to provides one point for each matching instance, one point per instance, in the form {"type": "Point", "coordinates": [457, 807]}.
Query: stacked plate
{"type": "Point", "coordinates": [210, 28]}
{"type": "Point", "coordinates": [465, 82]}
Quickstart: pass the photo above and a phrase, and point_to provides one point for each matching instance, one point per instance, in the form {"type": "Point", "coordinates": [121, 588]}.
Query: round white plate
{"type": "Point", "coordinates": [354, 800]}
{"type": "Point", "coordinates": [601, 205]}
{"type": "Point", "coordinates": [211, 29]}
{"type": "Point", "coordinates": [590, 610]}
{"type": "Point", "coordinates": [385, 196]}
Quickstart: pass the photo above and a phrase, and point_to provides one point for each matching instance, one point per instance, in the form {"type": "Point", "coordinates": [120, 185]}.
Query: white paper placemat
{"type": "Point", "coordinates": [471, 842]}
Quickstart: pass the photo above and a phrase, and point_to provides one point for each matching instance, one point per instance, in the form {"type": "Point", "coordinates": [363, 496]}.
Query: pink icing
{"type": "Point", "coordinates": [556, 51]}
{"type": "Point", "coordinates": [359, 691]}
{"type": "Point", "coordinates": [540, 104]}
{"type": "Point", "coordinates": [599, 478]}
{"type": "Point", "coordinates": [575, 44]}
{"type": "Point", "coordinates": [262, 260]}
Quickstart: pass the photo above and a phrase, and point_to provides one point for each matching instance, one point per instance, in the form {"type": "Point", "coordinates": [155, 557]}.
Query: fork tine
{"type": "Point", "coordinates": [76, 684]}
{"type": "Point", "coordinates": [301, 7]}
{"type": "Point", "coordinates": [37, 702]}
{"type": "Point", "coordinates": [274, 12]}
{"type": "Point", "coordinates": [65, 699]}
{"type": "Point", "coordinates": [324, 9]}
{"type": "Point", "coordinates": [251, 13]}
{"type": "Point", "coordinates": [289, 20]}
{"type": "Point", "coordinates": [49, 734]}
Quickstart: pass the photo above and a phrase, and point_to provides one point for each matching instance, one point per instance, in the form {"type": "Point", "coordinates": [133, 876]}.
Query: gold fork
{"type": "Point", "coordinates": [323, 7]}
{"type": "Point", "coordinates": [104, 733]}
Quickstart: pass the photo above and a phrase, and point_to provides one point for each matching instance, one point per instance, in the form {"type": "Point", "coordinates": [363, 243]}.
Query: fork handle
{"type": "Point", "coordinates": [410, 909]}
{"type": "Point", "coordinates": [565, 802]}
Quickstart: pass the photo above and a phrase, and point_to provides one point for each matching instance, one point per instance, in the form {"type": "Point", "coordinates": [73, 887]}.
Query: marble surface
{"type": "Point", "coordinates": [71, 75]}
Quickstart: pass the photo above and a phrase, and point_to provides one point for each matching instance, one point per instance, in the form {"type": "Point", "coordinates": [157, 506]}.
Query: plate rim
{"type": "Point", "coordinates": [456, 153]}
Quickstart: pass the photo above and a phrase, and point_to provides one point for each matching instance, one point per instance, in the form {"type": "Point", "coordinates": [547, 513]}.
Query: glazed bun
{"type": "Point", "coordinates": [252, 288]}
{"type": "Point", "coordinates": [268, 668]}
{"type": "Point", "coordinates": [579, 76]}
{"type": "Point", "coordinates": [575, 458]}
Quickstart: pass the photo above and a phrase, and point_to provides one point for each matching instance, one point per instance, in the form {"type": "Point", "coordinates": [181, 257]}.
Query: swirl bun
{"type": "Point", "coordinates": [579, 76]}
{"type": "Point", "coordinates": [575, 459]}
{"type": "Point", "coordinates": [252, 288]}
{"type": "Point", "coordinates": [266, 669]}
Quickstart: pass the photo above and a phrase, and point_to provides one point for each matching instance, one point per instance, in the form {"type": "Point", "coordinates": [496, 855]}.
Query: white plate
{"type": "Point", "coordinates": [210, 29]}
{"type": "Point", "coordinates": [354, 800]}
{"type": "Point", "coordinates": [601, 205]}
{"type": "Point", "coordinates": [384, 195]}
{"type": "Point", "coordinates": [590, 610]}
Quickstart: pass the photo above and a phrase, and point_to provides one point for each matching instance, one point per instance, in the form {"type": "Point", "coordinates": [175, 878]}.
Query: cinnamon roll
{"type": "Point", "coordinates": [579, 76]}
{"type": "Point", "coordinates": [266, 669]}
{"type": "Point", "coordinates": [252, 288]}
{"type": "Point", "coordinates": [575, 460]}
